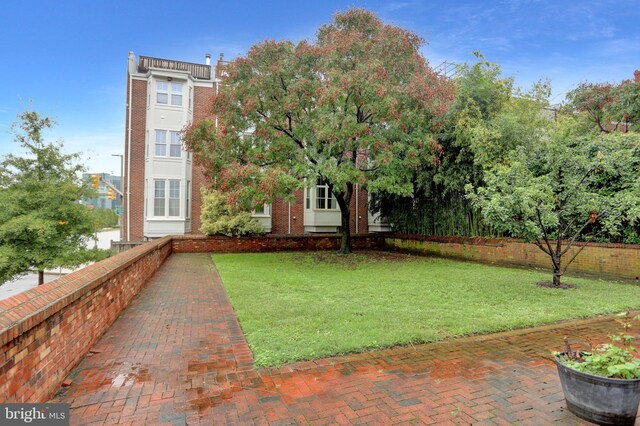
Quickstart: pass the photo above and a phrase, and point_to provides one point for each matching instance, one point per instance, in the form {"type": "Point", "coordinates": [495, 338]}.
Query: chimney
{"type": "Point", "coordinates": [207, 58]}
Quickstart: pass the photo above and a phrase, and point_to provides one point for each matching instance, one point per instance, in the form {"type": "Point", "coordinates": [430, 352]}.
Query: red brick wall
{"type": "Point", "coordinates": [280, 215]}
{"type": "Point", "coordinates": [202, 100]}
{"type": "Point", "coordinates": [45, 331]}
{"type": "Point", "coordinates": [612, 260]}
{"type": "Point", "coordinates": [361, 213]}
{"type": "Point", "coordinates": [270, 243]}
{"type": "Point", "coordinates": [137, 159]}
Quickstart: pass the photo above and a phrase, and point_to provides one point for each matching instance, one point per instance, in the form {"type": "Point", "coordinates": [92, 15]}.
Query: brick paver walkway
{"type": "Point", "coordinates": [177, 355]}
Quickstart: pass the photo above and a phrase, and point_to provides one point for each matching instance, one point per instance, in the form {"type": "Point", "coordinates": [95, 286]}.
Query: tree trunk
{"type": "Point", "coordinates": [344, 202]}
{"type": "Point", "coordinates": [345, 245]}
{"type": "Point", "coordinates": [557, 272]}
{"type": "Point", "coordinates": [556, 277]}
{"type": "Point", "coordinates": [40, 277]}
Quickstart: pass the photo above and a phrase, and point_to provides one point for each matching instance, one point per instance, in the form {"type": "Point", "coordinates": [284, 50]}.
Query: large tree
{"type": "Point", "coordinates": [42, 224]}
{"type": "Point", "coordinates": [562, 186]}
{"type": "Point", "coordinates": [356, 105]}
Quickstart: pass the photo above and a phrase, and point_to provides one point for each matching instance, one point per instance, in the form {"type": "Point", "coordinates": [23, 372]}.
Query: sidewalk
{"type": "Point", "coordinates": [177, 355]}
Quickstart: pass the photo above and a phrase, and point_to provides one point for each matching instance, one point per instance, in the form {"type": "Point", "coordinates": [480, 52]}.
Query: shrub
{"type": "Point", "coordinates": [219, 217]}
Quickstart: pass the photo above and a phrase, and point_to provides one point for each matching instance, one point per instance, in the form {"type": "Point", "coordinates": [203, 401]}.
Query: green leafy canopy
{"type": "Point", "coordinates": [42, 224]}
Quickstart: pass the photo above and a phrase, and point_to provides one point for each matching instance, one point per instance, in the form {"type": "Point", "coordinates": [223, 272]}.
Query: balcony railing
{"type": "Point", "coordinates": [199, 71]}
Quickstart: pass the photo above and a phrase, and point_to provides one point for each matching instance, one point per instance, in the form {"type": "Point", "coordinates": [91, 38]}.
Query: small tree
{"type": "Point", "coordinates": [555, 189]}
{"type": "Point", "coordinates": [42, 224]}
{"type": "Point", "coordinates": [357, 105]}
{"type": "Point", "coordinates": [218, 217]}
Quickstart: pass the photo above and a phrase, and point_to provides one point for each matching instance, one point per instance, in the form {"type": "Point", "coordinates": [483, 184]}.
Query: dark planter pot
{"type": "Point", "coordinates": [598, 399]}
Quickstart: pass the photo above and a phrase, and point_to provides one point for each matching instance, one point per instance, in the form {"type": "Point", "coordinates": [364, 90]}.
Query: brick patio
{"type": "Point", "coordinates": [177, 355]}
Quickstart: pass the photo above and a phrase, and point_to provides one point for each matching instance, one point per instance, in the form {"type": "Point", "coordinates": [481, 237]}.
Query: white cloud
{"type": "Point", "coordinates": [395, 6]}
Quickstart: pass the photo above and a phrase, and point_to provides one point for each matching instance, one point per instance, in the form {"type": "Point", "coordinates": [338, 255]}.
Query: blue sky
{"type": "Point", "coordinates": [69, 57]}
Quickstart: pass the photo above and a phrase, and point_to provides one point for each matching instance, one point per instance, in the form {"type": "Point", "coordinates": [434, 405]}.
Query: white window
{"type": "Point", "coordinates": [176, 94]}
{"type": "Point", "coordinates": [166, 91]}
{"type": "Point", "coordinates": [174, 198]}
{"type": "Point", "coordinates": [166, 201]}
{"type": "Point", "coordinates": [159, 198]}
{"type": "Point", "coordinates": [175, 148]}
{"type": "Point", "coordinates": [190, 97]}
{"type": "Point", "coordinates": [162, 92]}
{"type": "Point", "coordinates": [161, 143]}
{"type": "Point", "coordinates": [175, 144]}
{"type": "Point", "coordinates": [325, 200]}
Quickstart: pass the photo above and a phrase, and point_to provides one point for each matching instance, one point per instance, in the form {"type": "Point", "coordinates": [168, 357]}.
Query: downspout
{"type": "Point", "coordinates": [129, 160]}
{"type": "Point", "coordinates": [289, 218]}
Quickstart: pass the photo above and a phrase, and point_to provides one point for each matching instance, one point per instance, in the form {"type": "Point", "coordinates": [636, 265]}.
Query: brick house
{"type": "Point", "coordinates": [162, 182]}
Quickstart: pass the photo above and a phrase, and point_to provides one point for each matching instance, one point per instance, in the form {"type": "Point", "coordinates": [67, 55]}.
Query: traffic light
{"type": "Point", "coordinates": [95, 181]}
{"type": "Point", "coordinates": [110, 194]}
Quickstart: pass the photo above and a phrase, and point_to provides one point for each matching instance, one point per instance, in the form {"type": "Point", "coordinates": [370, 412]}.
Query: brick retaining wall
{"type": "Point", "coordinates": [45, 331]}
{"type": "Point", "coordinates": [604, 259]}
{"type": "Point", "coordinates": [271, 243]}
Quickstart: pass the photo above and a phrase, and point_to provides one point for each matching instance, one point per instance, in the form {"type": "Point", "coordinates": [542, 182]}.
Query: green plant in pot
{"type": "Point", "coordinates": [603, 385]}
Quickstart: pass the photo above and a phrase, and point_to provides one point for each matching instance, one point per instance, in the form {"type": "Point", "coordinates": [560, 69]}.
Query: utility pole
{"type": "Point", "coordinates": [121, 188]}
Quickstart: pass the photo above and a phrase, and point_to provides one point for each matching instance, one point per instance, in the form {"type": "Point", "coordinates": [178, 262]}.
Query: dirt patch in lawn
{"type": "Point", "coordinates": [549, 284]}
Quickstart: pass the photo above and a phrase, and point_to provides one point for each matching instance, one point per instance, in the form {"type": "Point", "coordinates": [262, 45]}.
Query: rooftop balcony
{"type": "Point", "coordinates": [198, 71]}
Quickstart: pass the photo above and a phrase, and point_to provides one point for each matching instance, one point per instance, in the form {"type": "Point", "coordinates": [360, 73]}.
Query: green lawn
{"type": "Point", "coordinates": [295, 306]}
